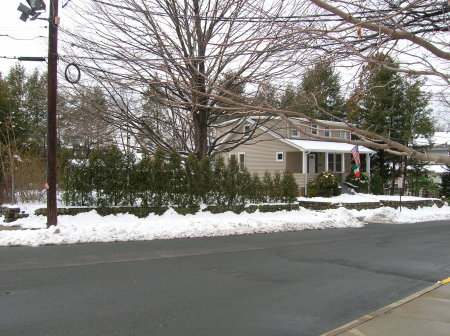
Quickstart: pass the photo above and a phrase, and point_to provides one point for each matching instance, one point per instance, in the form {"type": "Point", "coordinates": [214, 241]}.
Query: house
{"type": "Point", "coordinates": [276, 146]}
{"type": "Point", "coordinates": [440, 145]}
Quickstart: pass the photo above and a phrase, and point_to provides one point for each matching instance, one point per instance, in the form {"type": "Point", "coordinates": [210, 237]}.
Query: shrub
{"type": "Point", "coordinates": [289, 187]}
{"type": "Point", "coordinates": [362, 183]}
{"type": "Point", "coordinates": [376, 185]}
{"type": "Point", "coordinates": [445, 185]}
{"type": "Point", "coordinates": [111, 177]}
{"type": "Point", "coordinates": [267, 187]}
{"type": "Point", "coordinates": [325, 185]}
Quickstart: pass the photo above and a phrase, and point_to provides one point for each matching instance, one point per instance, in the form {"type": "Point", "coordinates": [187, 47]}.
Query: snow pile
{"type": "Point", "coordinates": [359, 198]}
{"type": "Point", "coordinates": [91, 227]}
{"type": "Point", "coordinates": [396, 216]}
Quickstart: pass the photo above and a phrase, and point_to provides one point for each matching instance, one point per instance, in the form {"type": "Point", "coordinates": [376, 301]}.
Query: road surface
{"type": "Point", "coordinates": [297, 283]}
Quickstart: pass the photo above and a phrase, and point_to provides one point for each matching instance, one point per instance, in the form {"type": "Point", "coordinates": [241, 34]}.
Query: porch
{"type": "Point", "coordinates": [307, 165]}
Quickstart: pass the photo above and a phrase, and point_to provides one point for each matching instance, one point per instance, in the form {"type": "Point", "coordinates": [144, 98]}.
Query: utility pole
{"type": "Point", "coordinates": [37, 7]}
{"type": "Point", "coordinates": [51, 117]}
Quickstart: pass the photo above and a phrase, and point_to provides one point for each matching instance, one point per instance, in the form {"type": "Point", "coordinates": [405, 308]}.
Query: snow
{"type": "Point", "coordinates": [437, 169]}
{"type": "Point", "coordinates": [358, 198]}
{"type": "Point", "coordinates": [438, 139]}
{"type": "Point", "coordinates": [91, 227]}
{"type": "Point", "coordinates": [328, 146]}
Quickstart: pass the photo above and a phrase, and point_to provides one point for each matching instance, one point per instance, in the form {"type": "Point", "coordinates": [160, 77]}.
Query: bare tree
{"type": "Point", "coordinates": [176, 55]}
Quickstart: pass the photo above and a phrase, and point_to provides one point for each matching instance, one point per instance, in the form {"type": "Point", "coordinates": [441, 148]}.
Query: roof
{"type": "Point", "coordinates": [294, 120]}
{"type": "Point", "coordinates": [439, 139]}
{"type": "Point", "coordinates": [326, 146]}
{"type": "Point", "coordinates": [437, 169]}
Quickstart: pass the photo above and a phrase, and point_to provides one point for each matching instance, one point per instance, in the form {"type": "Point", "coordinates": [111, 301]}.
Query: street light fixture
{"type": "Point", "coordinates": [37, 8]}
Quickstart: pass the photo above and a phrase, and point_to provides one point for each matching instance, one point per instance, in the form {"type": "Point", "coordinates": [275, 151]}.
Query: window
{"type": "Point", "coordinates": [338, 163]}
{"type": "Point", "coordinates": [294, 133]}
{"type": "Point", "coordinates": [279, 156]}
{"type": "Point", "coordinates": [314, 129]}
{"type": "Point", "coordinates": [242, 161]}
{"type": "Point", "coordinates": [331, 162]}
{"type": "Point", "coordinates": [247, 128]}
{"type": "Point", "coordinates": [335, 162]}
{"type": "Point", "coordinates": [327, 132]}
{"type": "Point", "coordinates": [343, 134]}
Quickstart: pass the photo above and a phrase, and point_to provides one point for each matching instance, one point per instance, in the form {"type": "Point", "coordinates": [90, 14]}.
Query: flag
{"type": "Point", "coordinates": [357, 173]}
{"type": "Point", "coordinates": [356, 157]}
{"type": "Point", "coordinates": [355, 170]}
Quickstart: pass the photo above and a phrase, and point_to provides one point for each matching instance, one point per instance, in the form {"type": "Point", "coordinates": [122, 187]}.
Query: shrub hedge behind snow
{"type": "Point", "coordinates": [109, 177]}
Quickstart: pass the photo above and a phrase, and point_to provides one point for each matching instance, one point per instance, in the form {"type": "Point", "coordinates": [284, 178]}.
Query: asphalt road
{"type": "Point", "coordinates": [298, 283]}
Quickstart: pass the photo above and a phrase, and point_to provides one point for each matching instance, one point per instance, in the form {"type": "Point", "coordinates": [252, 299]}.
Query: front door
{"type": "Point", "coordinates": [311, 163]}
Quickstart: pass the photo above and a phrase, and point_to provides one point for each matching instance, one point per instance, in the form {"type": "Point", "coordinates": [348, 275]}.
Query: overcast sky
{"type": "Point", "coordinates": [30, 39]}
{"type": "Point", "coordinates": [30, 31]}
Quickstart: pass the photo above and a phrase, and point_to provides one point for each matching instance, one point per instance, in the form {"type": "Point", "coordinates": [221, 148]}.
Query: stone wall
{"type": "Point", "coordinates": [371, 205]}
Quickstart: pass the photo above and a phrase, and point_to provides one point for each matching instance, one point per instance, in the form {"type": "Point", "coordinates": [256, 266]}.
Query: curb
{"type": "Point", "coordinates": [381, 311]}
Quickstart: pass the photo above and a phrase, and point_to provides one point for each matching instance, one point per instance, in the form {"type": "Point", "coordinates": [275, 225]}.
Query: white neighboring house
{"type": "Point", "coordinates": [277, 147]}
{"type": "Point", "coordinates": [440, 143]}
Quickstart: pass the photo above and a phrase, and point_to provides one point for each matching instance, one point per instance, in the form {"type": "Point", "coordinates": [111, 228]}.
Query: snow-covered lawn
{"type": "Point", "coordinates": [91, 227]}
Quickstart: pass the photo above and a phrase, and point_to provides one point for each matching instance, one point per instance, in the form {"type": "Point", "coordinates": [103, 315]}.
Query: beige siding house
{"type": "Point", "coordinates": [277, 147]}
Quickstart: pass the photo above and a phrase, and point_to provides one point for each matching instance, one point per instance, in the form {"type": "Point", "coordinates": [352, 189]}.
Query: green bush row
{"type": "Point", "coordinates": [111, 177]}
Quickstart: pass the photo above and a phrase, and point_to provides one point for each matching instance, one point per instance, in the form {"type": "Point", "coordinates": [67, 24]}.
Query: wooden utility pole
{"type": "Point", "coordinates": [51, 117]}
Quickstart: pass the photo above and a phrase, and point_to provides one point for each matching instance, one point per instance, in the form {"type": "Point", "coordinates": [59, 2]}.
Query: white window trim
{"type": "Point", "coordinates": [327, 130]}
{"type": "Point", "coordinates": [343, 134]}
{"type": "Point", "coordinates": [297, 135]}
{"type": "Point", "coordinates": [239, 159]}
{"type": "Point", "coordinates": [282, 156]}
{"type": "Point", "coordinates": [314, 129]}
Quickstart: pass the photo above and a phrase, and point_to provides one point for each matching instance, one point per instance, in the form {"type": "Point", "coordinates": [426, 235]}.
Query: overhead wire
{"type": "Point", "coordinates": [22, 39]}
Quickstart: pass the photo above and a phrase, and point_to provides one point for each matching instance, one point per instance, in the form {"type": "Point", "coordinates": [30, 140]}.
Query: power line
{"type": "Point", "coordinates": [22, 39]}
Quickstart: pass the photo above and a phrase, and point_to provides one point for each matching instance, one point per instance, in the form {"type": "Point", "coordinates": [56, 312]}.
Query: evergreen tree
{"type": "Point", "coordinates": [193, 179]}
{"type": "Point", "coordinates": [321, 85]}
{"type": "Point", "coordinates": [230, 186]}
{"type": "Point", "coordinates": [445, 184]}
{"type": "Point", "coordinates": [177, 179]}
{"type": "Point", "coordinates": [219, 180]}
{"type": "Point", "coordinates": [319, 90]}
{"type": "Point", "coordinates": [268, 187]}
{"type": "Point", "coordinates": [35, 106]}
{"type": "Point", "coordinates": [14, 121]}
{"type": "Point", "coordinates": [289, 187]}
{"type": "Point", "coordinates": [394, 107]}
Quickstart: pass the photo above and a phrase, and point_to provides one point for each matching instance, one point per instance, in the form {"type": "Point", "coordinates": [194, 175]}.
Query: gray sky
{"type": "Point", "coordinates": [30, 39]}
{"type": "Point", "coordinates": [32, 45]}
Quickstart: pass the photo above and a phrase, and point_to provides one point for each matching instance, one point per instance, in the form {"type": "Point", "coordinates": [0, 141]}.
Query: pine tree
{"type": "Point", "coordinates": [177, 179]}
{"type": "Point", "coordinates": [394, 107]}
{"type": "Point", "coordinates": [219, 180]}
{"type": "Point", "coordinates": [231, 180]}
{"type": "Point", "coordinates": [35, 107]}
{"type": "Point", "coordinates": [321, 85]}
{"type": "Point", "coordinates": [319, 91]}
{"type": "Point", "coordinates": [268, 187]}
{"type": "Point", "coordinates": [289, 187]}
